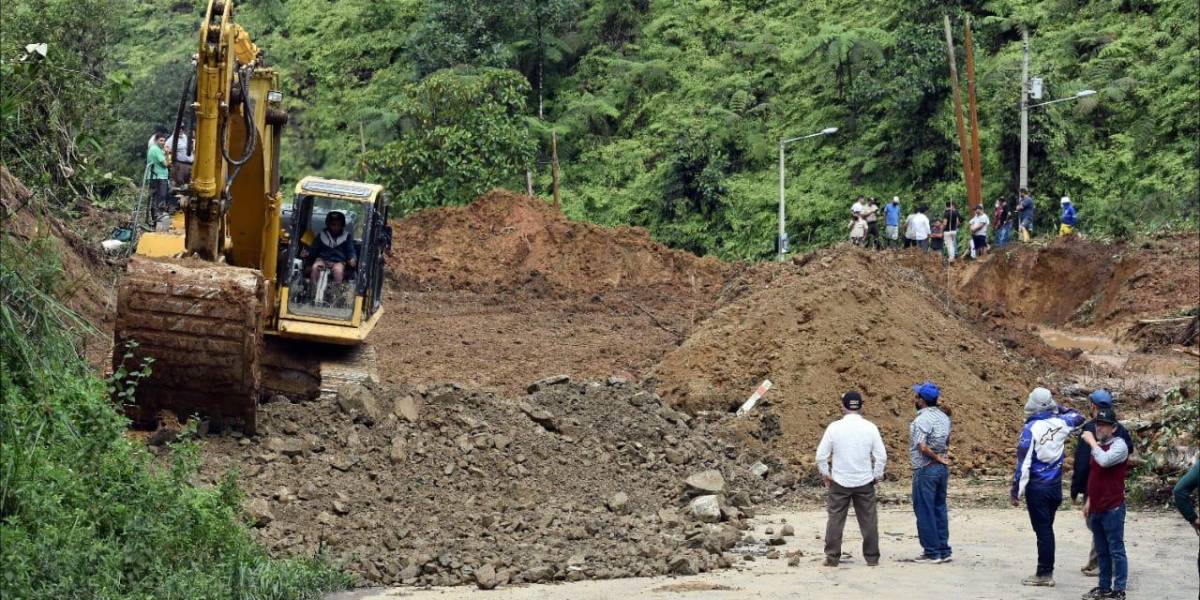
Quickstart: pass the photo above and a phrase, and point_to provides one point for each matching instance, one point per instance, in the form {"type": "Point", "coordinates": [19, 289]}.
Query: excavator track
{"type": "Point", "coordinates": [202, 326]}
{"type": "Point", "coordinates": [307, 372]}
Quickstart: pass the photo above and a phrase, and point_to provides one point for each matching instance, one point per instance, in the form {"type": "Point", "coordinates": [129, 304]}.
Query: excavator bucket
{"type": "Point", "coordinates": [202, 326]}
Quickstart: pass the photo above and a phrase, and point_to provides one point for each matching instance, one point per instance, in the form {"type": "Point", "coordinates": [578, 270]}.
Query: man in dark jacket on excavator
{"type": "Point", "coordinates": [334, 249]}
{"type": "Point", "coordinates": [1099, 399]}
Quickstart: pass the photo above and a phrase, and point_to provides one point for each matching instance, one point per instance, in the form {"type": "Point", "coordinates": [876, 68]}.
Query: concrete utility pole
{"type": "Point", "coordinates": [1023, 176]}
{"type": "Point", "coordinates": [782, 240]}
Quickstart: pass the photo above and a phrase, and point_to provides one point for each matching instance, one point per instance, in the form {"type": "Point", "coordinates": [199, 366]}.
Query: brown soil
{"type": "Point", "coordinates": [1084, 283]}
{"type": "Point", "coordinates": [507, 243]}
{"type": "Point", "coordinates": [86, 283]}
{"type": "Point", "coordinates": [851, 319]}
{"type": "Point", "coordinates": [429, 492]}
{"type": "Point", "coordinates": [508, 290]}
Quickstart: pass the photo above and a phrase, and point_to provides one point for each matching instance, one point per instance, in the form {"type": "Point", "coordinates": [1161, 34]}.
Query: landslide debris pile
{"type": "Point", "coordinates": [444, 485]}
{"type": "Point", "coordinates": [850, 319]}
{"type": "Point", "coordinates": [505, 242]}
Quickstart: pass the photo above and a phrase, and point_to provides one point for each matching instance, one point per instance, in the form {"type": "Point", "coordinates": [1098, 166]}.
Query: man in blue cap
{"type": "Point", "coordinates": [1100, 399]}
{"type": "Point", "coordinates": [929, 447]}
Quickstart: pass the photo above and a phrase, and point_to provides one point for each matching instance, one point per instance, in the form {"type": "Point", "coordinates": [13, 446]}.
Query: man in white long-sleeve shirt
{"type": "Point", "coordinates": [858, 456]}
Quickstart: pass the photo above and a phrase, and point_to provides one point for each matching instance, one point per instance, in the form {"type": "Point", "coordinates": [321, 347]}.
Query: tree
{"type": "Point", "coordinates": [462, 132]}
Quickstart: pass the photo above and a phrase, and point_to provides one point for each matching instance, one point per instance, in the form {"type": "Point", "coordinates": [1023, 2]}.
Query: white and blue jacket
{"type": "Point", "coordinates": [1041, 448]}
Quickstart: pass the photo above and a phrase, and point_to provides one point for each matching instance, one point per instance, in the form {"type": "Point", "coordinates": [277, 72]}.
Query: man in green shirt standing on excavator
{"type": "Point", "coordinates": [156, 160]}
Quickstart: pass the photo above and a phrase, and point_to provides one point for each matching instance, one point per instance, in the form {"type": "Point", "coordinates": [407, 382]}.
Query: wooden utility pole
{"type": "Point", "coordinates": [976, 160]}
{"type": "Point", "coordinates": [958, 116]}
{"type": "Point", "coordinates": [554, 166]}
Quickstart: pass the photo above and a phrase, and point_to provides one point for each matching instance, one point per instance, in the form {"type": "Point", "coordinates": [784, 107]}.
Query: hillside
{"type": "Point", "coordinates": [667, 113]}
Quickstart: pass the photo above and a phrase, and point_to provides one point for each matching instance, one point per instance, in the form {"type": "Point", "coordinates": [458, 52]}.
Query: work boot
{"type": "Point", "coordinates": [1096, 594]}
{"type": "Point", "coordinates": [1039, 581]}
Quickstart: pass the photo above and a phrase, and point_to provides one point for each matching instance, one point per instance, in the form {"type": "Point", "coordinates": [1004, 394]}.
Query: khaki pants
{"type": "Point", "coordinates": [839, 500]}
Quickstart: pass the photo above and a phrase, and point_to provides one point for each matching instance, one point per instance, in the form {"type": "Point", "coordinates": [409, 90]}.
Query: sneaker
{"type": "Point", "coordinates": [872, 563]}
{"type": "Point", "coordinates": [944, 559]}
{"type": "Point", "coordinates": [1116, 595]}
{"type": "Point", "coordinates": [1096, 594]}
{"type": "Point", "coordinates": [1090, 571]}
{"type": "Point", "coordinates": [831, 562]}
{"type": "Point", "coordinates": [925, 558]}
{"type": "Point", "coordinates": [1039, 581]}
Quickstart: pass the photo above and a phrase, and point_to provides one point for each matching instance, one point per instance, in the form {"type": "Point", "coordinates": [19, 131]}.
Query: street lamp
{"type": "Point", "coordinates": [1025, 106]}
{"type": "Point", "coordinates": [783, 239]}
{"type": "Point", "coordinates": [1078, 95]}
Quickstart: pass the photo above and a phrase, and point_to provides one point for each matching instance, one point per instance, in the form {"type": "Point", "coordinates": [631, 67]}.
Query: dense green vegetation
{"type": "Point", "coordinates": [668, 113]}
{"type": "Point", "coordinates": [84, 513]}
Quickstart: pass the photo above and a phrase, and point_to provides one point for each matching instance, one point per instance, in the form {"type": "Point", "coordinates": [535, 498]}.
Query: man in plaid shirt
{"type": "Point", "coordinates": [928, 447]}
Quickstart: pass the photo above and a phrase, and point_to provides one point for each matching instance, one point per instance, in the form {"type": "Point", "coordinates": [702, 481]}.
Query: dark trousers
{"type": "Point", "coordinates": [1108, 537]}
{"type": "Point", "coordinates": [839, 500]}
{"type": "Point", "coordinates": [929, 504]}
{"type": "Point", "coordinates": [1042, 503]}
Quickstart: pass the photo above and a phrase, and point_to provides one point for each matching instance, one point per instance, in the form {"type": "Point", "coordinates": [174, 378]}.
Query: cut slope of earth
{"type": "Point", "coordinates": [1080, 282]}
{"type": "Point", "coordinates": [85, 274]}
{"type": "Point", "coordinates": [851, 319]}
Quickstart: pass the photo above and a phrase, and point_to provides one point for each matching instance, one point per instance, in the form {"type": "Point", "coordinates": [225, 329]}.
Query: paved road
{"type": "Point", "coordinates": [993, 550]}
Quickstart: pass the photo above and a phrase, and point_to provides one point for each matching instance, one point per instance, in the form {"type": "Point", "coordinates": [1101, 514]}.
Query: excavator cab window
{"type": "Point", "coordinates": [325, 257]}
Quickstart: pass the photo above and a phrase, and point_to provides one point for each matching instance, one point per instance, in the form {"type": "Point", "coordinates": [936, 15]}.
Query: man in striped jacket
{"type": "Point", "coordinates": [1038, 476]}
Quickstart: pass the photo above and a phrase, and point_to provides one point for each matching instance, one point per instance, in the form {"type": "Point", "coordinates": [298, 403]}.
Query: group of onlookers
{"type": "Point", "coordinates": [942, 233]}
{"type": "Point", "coordinates": [851, 459]}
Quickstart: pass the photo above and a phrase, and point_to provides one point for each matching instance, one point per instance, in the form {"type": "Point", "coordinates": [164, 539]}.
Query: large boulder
{"type": "Point", "coordinates": [706, 508]}
{"type": "Point", "coordinates": [359, 403]}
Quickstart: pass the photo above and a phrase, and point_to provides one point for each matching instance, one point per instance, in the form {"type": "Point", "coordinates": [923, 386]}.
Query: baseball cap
{"type": "Point", "coordinates": [928, 391]}
{"type": "Point", "coordinates": [1101, 398]}
{"type": "Point", "coordinates": [1039, 400]}
{"type": "Point", "coordinates": [852, 400]}
{"type": "Point", "coordinates": [1107, 415]}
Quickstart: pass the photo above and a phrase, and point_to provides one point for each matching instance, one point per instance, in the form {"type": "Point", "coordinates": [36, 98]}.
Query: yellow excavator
{"type": "Point", "coordinates": [233, 297]}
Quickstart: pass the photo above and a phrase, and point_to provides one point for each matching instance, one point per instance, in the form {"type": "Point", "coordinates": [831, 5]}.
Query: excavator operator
{"type": "Point", "coordinates": [333, 249]}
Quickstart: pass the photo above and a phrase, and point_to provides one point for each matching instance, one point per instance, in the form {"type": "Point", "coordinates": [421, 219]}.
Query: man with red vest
{"type": "Point", "coordinates": [1105, 506]}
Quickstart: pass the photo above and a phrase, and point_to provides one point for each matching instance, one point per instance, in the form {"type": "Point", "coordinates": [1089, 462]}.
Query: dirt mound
{"type": "Point", "coordinates": [1081, 282]}
{"type": "Point", "coordinates": [508, 242]}
{"type": "Point", "coordinates": [429, 485]}
{"type": "Point", "coordinates": [850, 319]}
{"type": "Point", "coordinates": [508, 290]}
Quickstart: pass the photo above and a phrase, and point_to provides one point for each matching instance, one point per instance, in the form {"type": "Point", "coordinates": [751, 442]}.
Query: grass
{"type": "Point", "coordinates": [85, 513]}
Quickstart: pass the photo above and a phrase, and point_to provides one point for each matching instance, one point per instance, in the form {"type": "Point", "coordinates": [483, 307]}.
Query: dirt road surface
{"type": "Point", "coordinates": [993, 550]}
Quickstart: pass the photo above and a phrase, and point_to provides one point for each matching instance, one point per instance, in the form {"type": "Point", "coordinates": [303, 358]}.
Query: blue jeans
{"type": "Point", "coordinates": [929, 504]}
{"type": "Point", "coordinates": [1043, 501]}
{"type": "Point", "coordinates": [1108, 533]}
{"type": "Point", "coordinates": [1002, 234]}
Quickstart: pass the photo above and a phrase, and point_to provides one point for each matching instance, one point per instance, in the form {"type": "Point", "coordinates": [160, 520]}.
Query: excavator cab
{"type": "Point", "coordinates": [314, 304]}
